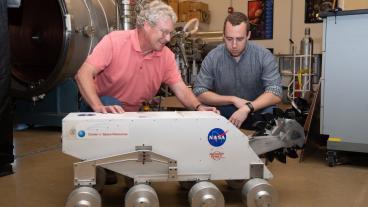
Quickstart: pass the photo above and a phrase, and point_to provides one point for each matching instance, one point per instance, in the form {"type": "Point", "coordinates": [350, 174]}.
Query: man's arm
{"type": "Point", "coordinates": [85, 81]}
{"type": "Point", "coordinates": [271, 80]}
{"type": "Point", "coordinates": [265, 100]}
{"type": "Point", "coordinates": [214, 99]}
{"type": "Point", "coordinates": [240, 115]}
{"type": "Point", "coordinates": [204, 85]}
{"type": "Point", "coordinates": [272, 83]}
{"type": "Point", "coordinates": [187, 98]}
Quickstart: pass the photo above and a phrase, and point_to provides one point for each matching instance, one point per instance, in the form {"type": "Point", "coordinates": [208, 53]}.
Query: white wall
{"type": "Point", "coordinates": [281, 25]}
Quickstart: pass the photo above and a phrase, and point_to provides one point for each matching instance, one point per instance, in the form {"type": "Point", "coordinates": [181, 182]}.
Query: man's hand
{"type": "Point", "coordinates": [238, 102]}
{"type": "Point", "coordinates": [207, 108]}
{"type": "Point", "coordinates": [115, 109]}
{"type": "Point", "coordinates": [239, 116]}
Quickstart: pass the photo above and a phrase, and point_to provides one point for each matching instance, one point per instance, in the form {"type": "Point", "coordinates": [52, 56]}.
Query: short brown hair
{"type": "Point", "coordinates": [237, 18]}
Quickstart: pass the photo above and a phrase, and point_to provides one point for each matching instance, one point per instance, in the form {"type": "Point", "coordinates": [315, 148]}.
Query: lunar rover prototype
{"type": "Point", "coordinates": [172, 146]}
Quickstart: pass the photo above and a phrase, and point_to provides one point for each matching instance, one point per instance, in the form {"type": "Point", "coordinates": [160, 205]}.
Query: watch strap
{"type": "Point", "coordinates": [250, 106]}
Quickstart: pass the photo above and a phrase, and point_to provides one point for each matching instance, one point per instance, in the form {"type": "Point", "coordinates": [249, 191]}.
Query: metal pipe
{"type": "Point", "coordinates": [291, 28]}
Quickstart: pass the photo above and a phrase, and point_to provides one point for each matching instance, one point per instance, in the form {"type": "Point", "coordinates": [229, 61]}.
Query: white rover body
{"type": "Point", "coordinates": [171, 146]}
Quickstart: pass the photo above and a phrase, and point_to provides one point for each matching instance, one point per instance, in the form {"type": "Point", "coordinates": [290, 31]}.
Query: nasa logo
{"type": "Point", "coordinates": [217, 137]}
{"type": "Point", "coordinates": [217, 155]}
{"type": "Point", "coordinates": [81, 134]}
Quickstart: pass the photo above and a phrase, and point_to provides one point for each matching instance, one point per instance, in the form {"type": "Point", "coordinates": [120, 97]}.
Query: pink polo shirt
{"type": "Point", "coordinates": [126, 74]}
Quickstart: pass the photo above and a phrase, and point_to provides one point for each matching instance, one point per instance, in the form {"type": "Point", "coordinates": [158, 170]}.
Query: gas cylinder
{"type": "Point", "coordinates": [306, 48]}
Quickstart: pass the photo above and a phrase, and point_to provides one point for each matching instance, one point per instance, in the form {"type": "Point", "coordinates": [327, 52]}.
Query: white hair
{"type": "Point", "coordinates": [153, 12]}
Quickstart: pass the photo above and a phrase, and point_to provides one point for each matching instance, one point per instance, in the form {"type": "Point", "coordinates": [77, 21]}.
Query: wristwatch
{"type": "Point", "coordinates": [250, 106]}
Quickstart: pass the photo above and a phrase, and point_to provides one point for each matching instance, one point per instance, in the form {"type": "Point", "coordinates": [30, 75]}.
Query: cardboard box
{"type": "Point", "coordinates": [193, 9]}
{"type": "Point", "coordinates": [186, 6]}
{"type": "Point", "coordinates": [182, 17]}
{"type": "Point", "coordinates": [175, 5]}
{"type": "Point", "coordinates": [353, 4]}
{"type": "Point", "coordinates": [201, 16]}
{"type": "Point", "coordinates": [198, 6]}
{"type": "Point", "coordinates": [194, 14]}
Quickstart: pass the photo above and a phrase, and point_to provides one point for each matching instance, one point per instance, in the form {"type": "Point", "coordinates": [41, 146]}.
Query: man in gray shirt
{"type": "Point", "coordinates": [239, 77]}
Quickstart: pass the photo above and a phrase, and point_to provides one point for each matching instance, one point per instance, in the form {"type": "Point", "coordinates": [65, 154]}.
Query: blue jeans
{"type": "Point", "coordinates": [106, 101]}
{"type": "Point", "coordinates": [228, 110]}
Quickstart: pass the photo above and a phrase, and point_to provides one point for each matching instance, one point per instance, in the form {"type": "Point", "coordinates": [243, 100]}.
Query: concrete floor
{"type": "Point", "coordinates": [44, 178]}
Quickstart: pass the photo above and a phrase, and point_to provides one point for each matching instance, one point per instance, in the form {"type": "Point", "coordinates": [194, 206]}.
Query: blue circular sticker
{"type": "Point", "coordinates": [81, 134]}
{"type": "Point", "coordinates": [217, 137]}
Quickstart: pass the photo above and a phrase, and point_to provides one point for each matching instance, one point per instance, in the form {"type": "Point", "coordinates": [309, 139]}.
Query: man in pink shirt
{"type": "Point", "coordinates": [128, 67]}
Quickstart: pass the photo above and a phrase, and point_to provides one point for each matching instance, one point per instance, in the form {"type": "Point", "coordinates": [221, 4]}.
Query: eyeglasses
{"type": "Point", "coordinates": [165, 32]}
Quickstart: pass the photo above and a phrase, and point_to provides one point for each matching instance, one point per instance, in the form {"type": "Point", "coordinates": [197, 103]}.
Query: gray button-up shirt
{"type": "Point", "coordinates": [255, 73]}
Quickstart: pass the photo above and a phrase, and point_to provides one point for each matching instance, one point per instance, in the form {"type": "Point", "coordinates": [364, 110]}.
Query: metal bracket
{"type": "Point", "coordinates": [173, 170]}
{"type": "Point", "coordinates": [286, 133]}
{"type": "Point", "coordinates": [144, 157]}
{"type": "Point", "coordinates": [85, 172]}
{"type": "Point", "coordinates": [256, 170]}
{"type": "Point", "coordinates": [143, 148]}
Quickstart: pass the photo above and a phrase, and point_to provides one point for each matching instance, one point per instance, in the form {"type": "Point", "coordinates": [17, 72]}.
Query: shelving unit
{"type": "Point", "coordinates": [298, 79]}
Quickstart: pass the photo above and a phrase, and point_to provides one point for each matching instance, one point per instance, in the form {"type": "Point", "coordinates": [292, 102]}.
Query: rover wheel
{"type": "Point", "coordinates": [141, 195]}
{"type": "Point", "coordinates": [258, 193]}
{"type": "Point", "coordinates": [84, 197]}
{"type": "Point", "coordinates": [205, 194]}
